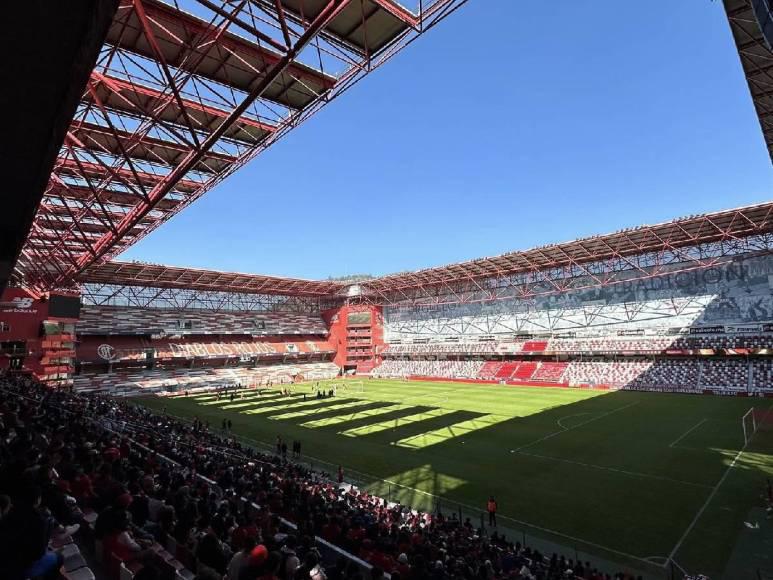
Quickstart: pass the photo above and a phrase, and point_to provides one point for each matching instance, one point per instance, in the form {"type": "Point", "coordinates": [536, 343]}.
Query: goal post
{"type": "Point", "coordinates": [749, 426]}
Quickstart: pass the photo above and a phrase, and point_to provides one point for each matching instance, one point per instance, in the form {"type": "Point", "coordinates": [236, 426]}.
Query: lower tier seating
{"type": "Point", "coordinates": [678, 374]}
{"type": "Point", "coordinates": [446, 369]}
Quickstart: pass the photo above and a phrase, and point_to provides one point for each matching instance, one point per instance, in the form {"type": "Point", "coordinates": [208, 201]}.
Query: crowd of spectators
{"type": "Point", "coordinates": [233, 512]}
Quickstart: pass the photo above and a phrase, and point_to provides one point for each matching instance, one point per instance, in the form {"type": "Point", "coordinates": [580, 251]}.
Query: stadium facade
{"type": "Point", "coordinates": [183, 95]}
{"type": "Point", "coordinates": [681, 306]}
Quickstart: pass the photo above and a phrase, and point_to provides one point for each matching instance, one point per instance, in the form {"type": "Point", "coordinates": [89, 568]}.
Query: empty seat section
{"type": "Point", "coordinates": [535, 346]}
{"type": "Point", "coordinates": [506, 370]}
{"type": "Point", "coordinates": [489, 369]}
{"type": "Point", "coordinates": [524, 371]}
{"type": "Point", "coordinates": [549, 371]}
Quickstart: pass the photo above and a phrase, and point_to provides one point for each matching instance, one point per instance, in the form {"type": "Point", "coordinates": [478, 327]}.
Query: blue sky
{"type": "Point", "coordinates": [510, 125]}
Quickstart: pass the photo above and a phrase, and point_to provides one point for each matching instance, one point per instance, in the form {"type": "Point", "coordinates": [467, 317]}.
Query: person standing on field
{"type": "Point", "coordinates": [491, 508]}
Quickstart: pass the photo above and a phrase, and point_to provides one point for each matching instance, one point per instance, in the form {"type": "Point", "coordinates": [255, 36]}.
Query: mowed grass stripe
{"type": "Point", "coordinates": [332, 406]}
{"type": "Point", "coordinates": [252, 397]}
{"type": "Point", "coordinates": [395, 423]}
{"type": "Point", "coordinates": [284, 407]}
{"type": "Point", "coordinates": [237, 403]}
{"type": "Point", "coordinates": [332, 413]}
{"type": "Point", "coordinates": [392, 413]}
{"type": "Point", "coordinates": [358, 414]}
{"type": "Point", "coordinates": [210, 396]}
{"type": "Point", "coordinates": [408, 430]}
{"type": "Point", "coordinates": [450, 432]}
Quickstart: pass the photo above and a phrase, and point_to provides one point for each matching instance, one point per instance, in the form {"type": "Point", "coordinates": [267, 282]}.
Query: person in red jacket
{"type": "Point", "coordinates": [491, 508]}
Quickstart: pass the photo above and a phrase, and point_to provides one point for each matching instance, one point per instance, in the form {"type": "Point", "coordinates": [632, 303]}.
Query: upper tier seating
{"type": "Point", "coordinates": [535, 345]}
{"type": "Point", "coordinates": [126, 382]}
{"type": "Point", "coordinates": [137, 347]}
{"type": "Point", "coordinates": [608, 344]}
{"type": "Point", "coordinates": [105, 320]}
{"type": "Point", "coordinates": [446, 348]}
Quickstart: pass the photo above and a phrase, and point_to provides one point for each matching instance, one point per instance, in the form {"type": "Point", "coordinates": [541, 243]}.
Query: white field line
{"type": "Point", "coordinates": [551, 435]}
{"type": "Point", "coordinates": [562, 419]}
{"type": "Point", "coordinates": [686, 433]}
{"type": "Point", "coordinates": [708, 499]}
{"type": "Point", "coordinates": [615, 470]}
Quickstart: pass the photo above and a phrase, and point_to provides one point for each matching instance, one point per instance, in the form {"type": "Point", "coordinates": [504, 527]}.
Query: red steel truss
{"type": "Point", "coordinates": [595, 258]}
{"type": "Point", "coordinates": [183, 95]}
{"type": "Point", "coordinates": [757, 61]}
{"type": "Point", "coordinates": [156, 276]}
{"type": "Point", "coordinates": [689, 243]}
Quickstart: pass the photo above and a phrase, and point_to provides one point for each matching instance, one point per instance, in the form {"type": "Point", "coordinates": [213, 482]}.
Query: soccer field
{"type": "Point", "coordinates": [631, 477]}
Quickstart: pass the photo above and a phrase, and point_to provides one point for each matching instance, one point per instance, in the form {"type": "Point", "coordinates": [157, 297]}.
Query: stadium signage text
{"type": "Point", "coordinates": [193, 349]}
{"type": "Point", "coordinates": [20, 305]}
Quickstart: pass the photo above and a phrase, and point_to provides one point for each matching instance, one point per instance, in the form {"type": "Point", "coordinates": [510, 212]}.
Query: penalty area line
{"type": "Point", "coordinates": [708, 499]}
{"type": "Point", "coordinates": [566, 429]}
{"type": "Point", "coordinates": [686, 433]}
{"type": "Point", "coordinates": [562, 419]}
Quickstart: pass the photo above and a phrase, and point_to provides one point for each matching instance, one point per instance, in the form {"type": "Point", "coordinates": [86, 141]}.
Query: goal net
{"type": "Point", "coordinates": [749, 425]}
{"type": "Point", "coordinates": [355, 386]}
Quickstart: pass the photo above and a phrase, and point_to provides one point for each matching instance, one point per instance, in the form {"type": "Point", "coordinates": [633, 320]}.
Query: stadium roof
{"type": "Point", "coordinates": [158, 276]}
{"type": "Point", "coordinates": [691, 231]}
{"type": "Point", "coordinates": [757, 61]}
{"type": "Point", "coordinates": [184, 93]}
{"type": "Point", "coordinates": [725, 225]}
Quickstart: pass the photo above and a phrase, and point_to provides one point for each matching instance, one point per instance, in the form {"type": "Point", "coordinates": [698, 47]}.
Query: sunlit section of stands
{"type": "Point", "coordinates": [446, 369]}
{"type": "Point", "coordinates": [110, 320]}
{"type": "Point", "coordinates": [652, 344]}
{"type": "Point", "coordinates": [127, 382]}
{"type": "Point", "coordinates": [683, 374]}
{"type": "Point", "coordinates": [123, 348]}
{"type": "Point", "coordinates": [604, 373]}
{"type": "Point", "coordinates": [680, 373]}
{"type": "Point", "coordinates": [550, 372]}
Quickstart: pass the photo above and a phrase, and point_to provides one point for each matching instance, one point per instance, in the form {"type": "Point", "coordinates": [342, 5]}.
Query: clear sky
{"type": "Point", "coordinates": [510, 125]}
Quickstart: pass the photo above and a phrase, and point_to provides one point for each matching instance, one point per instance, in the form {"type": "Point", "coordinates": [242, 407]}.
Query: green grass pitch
{"type": "Point", "coordinates": [627, 476]}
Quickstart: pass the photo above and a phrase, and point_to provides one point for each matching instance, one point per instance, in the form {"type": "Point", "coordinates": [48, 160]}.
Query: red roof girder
{"type": "Point", "coordinates": [157, 276]}
{"type": "Point", "coordinates": [178, 101]}
{"type": "Point", "coordinates": [232, 60]}
{"type": "Point", "coordinates": [118, 142]}
{"type": "Point", "coordinates": [688, 232]}
{"type": "Point", "coordinates": [757, 61]}
{"type": "Point", "coordinates": [72, 168]}
{"type": "Point", "coordinates": [141, 100]}
{"type": "Point", "coordinates": [680, 234]}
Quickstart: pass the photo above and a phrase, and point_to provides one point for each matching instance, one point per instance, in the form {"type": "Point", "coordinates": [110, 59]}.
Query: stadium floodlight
{"type": "Point", "coordinates": [749, 425]}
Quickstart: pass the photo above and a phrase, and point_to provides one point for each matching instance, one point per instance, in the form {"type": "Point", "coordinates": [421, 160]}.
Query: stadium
{"type": "Point", "coordinates": [593, 408]}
